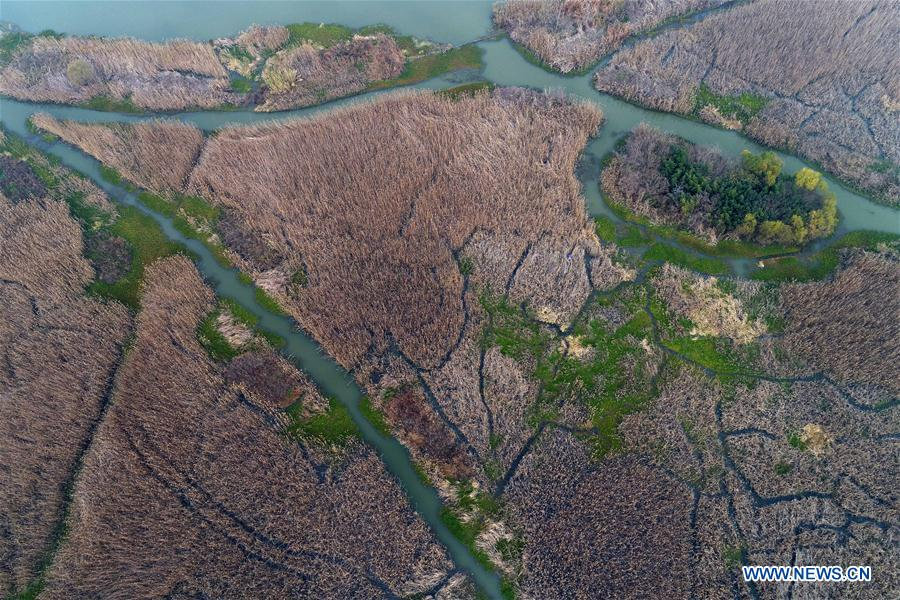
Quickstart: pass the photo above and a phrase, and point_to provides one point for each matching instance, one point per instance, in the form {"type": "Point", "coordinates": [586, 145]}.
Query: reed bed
{"type": "Point", "coordinates": [308, 75]}
{"type": "Point", "coordinates": [124, 73]}
{"type": "Point", "coordinates": [375, 200]}
{"type": "Point", "coordinates": [822, 83]}
{"type": "Point", "coordinates": [157, 155]}
{"type": "Point", "coordinates": [190, 487]}
{"type": "Point", "coordinates": [571, 35]}
{"type": "Point", "coordinates": [849, 325]}
{"type": "Point", "coordinates": [59, 349]}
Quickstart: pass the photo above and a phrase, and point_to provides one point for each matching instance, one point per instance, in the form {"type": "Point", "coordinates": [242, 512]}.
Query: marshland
{"type": "Point", "coordinates": [709, 401]}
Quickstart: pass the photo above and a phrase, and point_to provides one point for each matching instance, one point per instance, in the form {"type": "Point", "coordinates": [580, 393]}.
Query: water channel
{"type": "Point", "coordinates": [444, 21]}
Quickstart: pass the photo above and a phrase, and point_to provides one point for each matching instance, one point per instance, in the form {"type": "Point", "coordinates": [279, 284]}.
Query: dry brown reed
{"type": "Point", "coordinates": [572, 34]}
{"type": "Point", "coordinates": [830, 77]}
{"type": "Point", "coordinates": [850, 325]}
{"type": "Point", "coordinates": [376, 199]}
{"type": "Point", "coordinates": [59, 351]}
{"type": "Point", "coordinates": [155, 76]}
{"type": "Point", "coordinates": [189, 487]}
{"type": "Point", "coordinates": [308, 75]}
{"type": "Point", "coordinates": [157, 155]}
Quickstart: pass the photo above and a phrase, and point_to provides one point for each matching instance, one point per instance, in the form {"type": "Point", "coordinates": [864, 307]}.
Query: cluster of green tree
{"type": "Point", "coordinates": [755, 201]}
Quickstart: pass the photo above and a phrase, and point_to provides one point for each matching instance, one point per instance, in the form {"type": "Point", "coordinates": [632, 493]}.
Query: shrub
{"type": "Point", "coordinates": [79, 72]}
{"type": "Point", "coordinates": [807, 178]}
{"type": "Point", "coordinates": [766, 165]}
{"type": "Point", "coordinates": [279, 79]}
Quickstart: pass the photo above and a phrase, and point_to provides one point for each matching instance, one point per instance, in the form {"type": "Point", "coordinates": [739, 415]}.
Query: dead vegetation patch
{"type": "Point", "coordinates": [157, 155]}
{"type": "Point", "coordinates": [134, 74]}
{"type": "Point", "coordinates": [570, 35]}
{"type": "Point", "coordinates": [222, 501]}
{"type": "Point", "coordinates": [849, 325]}
{"type": "Point", "coordinates": [821, 83]}
{"type": "Point", "coordinates": [419, 427]}
{"type": "Point", "coordinates": [378, 235]}
{"type": "Point", "coordinates": [307, 75]}
{"type": "Point", "coordinates": [58, 354]}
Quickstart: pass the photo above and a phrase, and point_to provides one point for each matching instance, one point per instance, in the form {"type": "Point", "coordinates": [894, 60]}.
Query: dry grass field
{"type": "Point", "coordinates": [156, 155]}
{"type": "Point", "coordinates": [307, 75]}
{"type": "Point", "coordinates": [142, 467]}
{"type": "Point", "coordinates": [848, 326]}
{"type": "Point", "coordinates": [571, 35]}
{"type": "Point", "coordinates": [124, 74]}
{"type": "Point", "coordinates": [190, 489]}
{"type": "Point", "coordinates": [59, 350]}
{"type": "Point", "coordinates": [821, 83]}
{"type": "Point", "coordinates": [440, 250]}
{"type": "Point", "coordinates": [374, 202]}
{"type": "Point", "coordinates": [267, 67]}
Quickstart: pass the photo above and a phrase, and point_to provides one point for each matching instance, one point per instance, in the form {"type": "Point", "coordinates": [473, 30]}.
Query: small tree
{"type": "Point", "coordinates": [748, 227]}
{"type": "Point", "coordinates": [799, 229]}
{"type": "Point", "coordinates": [807, 178]}
{"type": "Point", "coordinates": [767, 165]}
{"type": "Point", "coordinates": [775, 231]}
{"type": "Point", "coordinates": [823, 221]}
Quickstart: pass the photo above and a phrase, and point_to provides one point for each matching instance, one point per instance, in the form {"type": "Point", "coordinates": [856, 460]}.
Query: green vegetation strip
{"type": "Point", "coordinates": [823, 263]}
{"type": "Point", "coordinates": [600, 380]}
{"type": "Point", "coordinates": [433, 65]}
{"type": "Point", "coordinates": [742, 107]}
{"type": "Point", "coordinates": [677, 256]}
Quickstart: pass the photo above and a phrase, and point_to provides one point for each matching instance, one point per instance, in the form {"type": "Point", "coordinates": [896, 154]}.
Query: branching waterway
{"type": "Point", "coordinates": [443, 21]}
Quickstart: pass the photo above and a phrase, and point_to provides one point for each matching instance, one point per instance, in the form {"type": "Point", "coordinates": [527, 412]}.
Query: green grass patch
{"type": "Point", "coordinates": [733, 556]}
{"type": "Point", "coordinates": [14, 145]}
{"type": "Point", "coordinates": [605, 228]}
{"type": "Point", "coordinates": [239, 52]}
{"type": "Point", "coordinates": [374, 416]}
{"type": "Point", "coordinates": [466, 532]}
{"type": "Point", "coordinates": [251, 321]}
{"type": "Point", "coordinates": [882, 166]}
{"type": "Point", "coordinates": [601, 381]}
{"type": "Point", "coordinates": [213, 341]}
{"type": "Point", "coordinates": [723, 249]}
{"type": "Point", "coordinates": [318, 34]}
{"type": "Point", "coordinates": [466, 266]}
{"type": "Point", "coordinates": [268, 302]}
{"type": "Point", "coordinates": [90, 217]}
{"type": "Point", "coordinates": [111, 175]}
{"type": "Point", "coordinates": [823, 263]}
{"type": "Point", "coordinates": [241, 85]}
{"type": "Point", "coordinates": [466, 90]}
{"type": "Point", "coordinates": [333, 427]}
{"type": "Point", "coordinates": [433, 65]}
{"type": "Point", "coordinates": [148, 243]}
{"type": "Point", "coordinates": [677, 256]}
{"type": "Point", "coordinates": [190, 216]}
{"type": "Point", "coordinates": [742, 107]}
{"type": "Point", "coordinates": [718, 355]}
{"type": "Point", "coordinates": [11, 42]}
{"type": "Point", "coordinates": [782, 468]}
{"type": "Point", "coordinates": [795, 441]}
{"type": "Point", "coordinates": [630, 236]}
{"type": "Point", "coordinates": [729, 248]}
{"type": "Point", "coordinates": [43, 172]}
{"type": "Point", "coordinates": [44, 135]}
{"type": "Point", "coordinates": [108, 104]}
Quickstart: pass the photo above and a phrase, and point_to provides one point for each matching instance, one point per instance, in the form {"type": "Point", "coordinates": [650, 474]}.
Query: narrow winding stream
{"type": "Point", "coordinates": [455, 22]}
